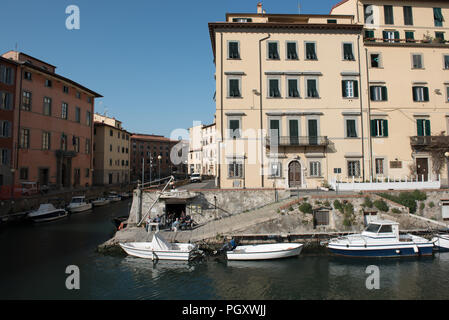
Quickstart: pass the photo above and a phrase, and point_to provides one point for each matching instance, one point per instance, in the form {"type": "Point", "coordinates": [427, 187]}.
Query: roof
{"type": "Point", "coordinates": [384, 222]}
{"type": "Point", "coordinates": [98, 123]}
{"type": "Point", "coordinates": [281, 26]}
{"type": "Point", "coordinates": [149, 137]}
{"type": "Point", "coordinates": [339, 4]}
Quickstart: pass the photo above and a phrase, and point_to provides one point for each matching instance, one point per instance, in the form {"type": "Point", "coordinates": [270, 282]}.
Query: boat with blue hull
{"type": "Point", "coordinates": [381, 239]}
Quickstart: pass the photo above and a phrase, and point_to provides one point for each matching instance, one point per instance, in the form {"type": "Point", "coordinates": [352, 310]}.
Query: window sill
{"type": "Point", "coordinates": [234, 97]}
{"type": "Point", "coordinates": [349, 60]}
{"type": "Point", "coordinates": [350, 98]}
{"type": "Point", "coordinates": [310, 59]}
{"type": "Point", "coordinates": [274, 97]}
{"type": "Point", "coordinates": [234, 59]}
{"type": "Point", "coordinates": [274, 59]}
{"type": "Point", "coordinates": [315, 177]}
{"type": "Point", "coordinates": [297, 59]}
{"type": "Point", "coordinates": [235, 178]}
{"type": "Point", "coordinates": [293, 98]}
{"type": "Point", "coordinates": [273, 177]}
{"type": "Point", "coordinates": [352, 138]}
{"type": "Point", "coordinates": [378, 137]}
{"type": "Point", "coordinates": [313, 98]}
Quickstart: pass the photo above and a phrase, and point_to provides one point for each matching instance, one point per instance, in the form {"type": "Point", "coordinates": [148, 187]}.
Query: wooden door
{"type": "Point", "coordinates": [294, 175]}
{"type": "Point", "coordinates": [422, 169]}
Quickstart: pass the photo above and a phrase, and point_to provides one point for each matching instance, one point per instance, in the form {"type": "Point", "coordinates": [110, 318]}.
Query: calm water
{"type": "Point", "coordinates": [34, 259]}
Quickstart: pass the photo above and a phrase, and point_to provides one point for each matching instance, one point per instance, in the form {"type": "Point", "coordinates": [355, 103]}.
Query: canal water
{"type": "Point", "coordinates": [34, 259]}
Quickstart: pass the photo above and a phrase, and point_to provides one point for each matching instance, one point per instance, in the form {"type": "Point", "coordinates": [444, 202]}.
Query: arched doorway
{"type": "Point", "coordinates": [294, 174]}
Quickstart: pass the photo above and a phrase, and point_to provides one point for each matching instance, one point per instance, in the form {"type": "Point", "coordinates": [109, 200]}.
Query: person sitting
{"type": "Point", "coordinates": [175, 225]}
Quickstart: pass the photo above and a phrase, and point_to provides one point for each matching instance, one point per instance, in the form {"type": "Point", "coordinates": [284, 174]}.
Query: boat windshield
{"type": "Point", "coordinates": [77, 200]}
{"type": "Point", "coordinates": [372, 228]}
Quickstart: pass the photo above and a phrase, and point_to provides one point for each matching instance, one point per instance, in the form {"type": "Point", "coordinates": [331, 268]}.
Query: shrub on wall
{"type": "Point", "coordinates": [407, 199]}
{"type": "Point", "coordinates": [381, 205]}
{"type": "Point", "coordinates": [305, 207]}
{"type": "Point", "coordinates": [367, 203]}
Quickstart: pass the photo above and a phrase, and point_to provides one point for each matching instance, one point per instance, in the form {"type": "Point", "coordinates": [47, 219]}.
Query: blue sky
{"type": "Point", "coordinates": [151, 60]}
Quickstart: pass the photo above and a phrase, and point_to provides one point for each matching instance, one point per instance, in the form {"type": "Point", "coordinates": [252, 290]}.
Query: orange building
{"type": "Point", "coordinates": [53, 126]}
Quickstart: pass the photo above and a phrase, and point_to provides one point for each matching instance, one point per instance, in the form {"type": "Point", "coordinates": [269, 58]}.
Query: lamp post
{"type": "Point", "coordinates": [446, 154]}
{"type": "Point", "coordinates": [159, 157]}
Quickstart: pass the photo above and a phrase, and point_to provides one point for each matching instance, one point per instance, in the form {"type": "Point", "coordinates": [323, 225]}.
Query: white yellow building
{"type": "Point", "coordinates": [359, 94]}
{"type": "Point", "coordinates": [202, 156]}
{"type": "Point", "coordinates": [111, 151]}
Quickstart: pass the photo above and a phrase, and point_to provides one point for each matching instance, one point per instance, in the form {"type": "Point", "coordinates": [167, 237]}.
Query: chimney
{"type": "Point", "coordinates": [259, 8]}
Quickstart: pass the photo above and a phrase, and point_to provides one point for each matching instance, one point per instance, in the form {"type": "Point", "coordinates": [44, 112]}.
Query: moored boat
{"type": "Point", "coordinates": [46, 212]}
{"type": "Point", "coordinates": [441, 242]}
{"type": "Point", "coordinates": [160, 249]}
{"type": "Point", "coordinates": [79, 204]}
{"type": "Point", "coordinates": [100, 202]}
{"type": "Point", "coordinates": [265, 251]}
{"type": "Point", "coordinates": [381, 238]}
{"type": "Point", "coordinates": [114, 197]}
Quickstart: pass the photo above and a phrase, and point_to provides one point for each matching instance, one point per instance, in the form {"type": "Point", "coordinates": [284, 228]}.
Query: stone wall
{"type": "Point", "coordinates": [202, 208]}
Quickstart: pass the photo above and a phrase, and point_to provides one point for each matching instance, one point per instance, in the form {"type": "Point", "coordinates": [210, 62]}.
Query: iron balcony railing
{"type": "Point", "coordinates": [429, 141]}
{"type": "Point", "coordinates": [291, 141]}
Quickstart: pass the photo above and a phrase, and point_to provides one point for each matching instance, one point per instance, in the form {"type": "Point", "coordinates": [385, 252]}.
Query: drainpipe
{"type": "Point", "coordinates": [220, 142]}
{"type": "Point", "coordinates": [19, 107]}
{"type": "Point", "coordinates": [261, 115]}
{"type": "Point", "coordinates": [369, 118]}
{"type": "Point", "coordinates": [361, 109]}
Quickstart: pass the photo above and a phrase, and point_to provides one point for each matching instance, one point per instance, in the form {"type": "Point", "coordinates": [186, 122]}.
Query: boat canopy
{"type": "Point", "coordinates": [160, 243]}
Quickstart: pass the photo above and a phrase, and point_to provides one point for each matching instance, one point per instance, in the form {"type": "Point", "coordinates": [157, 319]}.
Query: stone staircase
{"type": "Point", "coordinates": [227, 225]}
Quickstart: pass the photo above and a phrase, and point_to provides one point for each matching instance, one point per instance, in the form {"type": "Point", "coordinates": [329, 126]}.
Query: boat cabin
{"type": "Point", "coordinates": [383, 229]}
{"type": "Point", "coordinates": [80, 199]}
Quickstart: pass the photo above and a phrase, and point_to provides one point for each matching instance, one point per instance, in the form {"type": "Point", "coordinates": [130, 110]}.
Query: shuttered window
{"type": "Point", "coordinates": [369, 35]}
{"type": "Point", "coordinates": [408, 16]}
{"type": "Point", "coordinates": [292, 53]}
{"type": "Point", "coordinates": [274, 88]}
{"type": "Point", "coordinates": [315, 169]}
{"type": "Point", "coordinates": [312, 91]}
{"type": "Point", "coordinates": [417, 61]}
{"type": "Point", "coordinates": [438, 17]}
{"type": "Point", "coordinates": [275, 169]}
{"type": "Point", "coordinates": [77, 114]}
{"type": "Point", "coordinates": [26, 100]}
{"type": "Point", "coordinates": [46, 140]}
{"type": "Point", "coordinates": [47, 106]}
{"type": "Point", "coordinates": [233, 50]}
{"type": "Point", "coordinates": [378, 93]}
{"type": "Point", "coordinates": [6, 100]}
{"type": "Point", "coordinates": [350, 88]}
{"type": "Point", "coordinates": [388, 12]}
{"type": "Point", "coordinates": [235, 170]}
{"type": "Point", "coordinates": [234, 88]}
{"type": "Point", "coordinates": [375, 60]}
{"type": "Point", "coordinates": [5, 156]}
{"type": "Point", "coordinates": [64, 110]}
{"type": "Point", "coordinates": [351, 131]}
{"type": "Point", "coordinates": [293, 91]}
{"type": "Point", "coordinates": [354, 168]}
{"type": "Point", "coordinates": [409, 36]}
{"type": "Point", "coordinates": [24, 138]}
{"type": "Point", "coordinates": [311, 51]}
{"type": "Point", "coordinates": [420, 94]}
{"type": "Point", "coordinates": [5, 129]}
{"type": "Point", "coordinates": [423, 128]}
{"type": "Point", "coordinates": [234, 129]}
{"type": "Point", "coordinates": [379, 128]}
{"type": "Point", "coordinates": [273, 52]}
{"type": "Point", "coordinates": [348, 53]}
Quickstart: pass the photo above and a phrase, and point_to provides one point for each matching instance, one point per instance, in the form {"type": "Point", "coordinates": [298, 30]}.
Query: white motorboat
{"type": "Point", "coordinates": [100, 202]}
{"type": "Point", "coordinates": [381, 239]}
{"type": "Point", "coordinates": [265, 251]}
{"type": "Point", "coordinates": [441, 242]}
{"type": "Point", "coordinates": [114, 197]}
{"type": "Point", "coordinates": [46, 212]}
{"type": "Point", "coordinates": [160, 249]}
{"type": "Point", "coordinates": [79, 204]}
{"type": "Point", "coordinates": [125, 195]}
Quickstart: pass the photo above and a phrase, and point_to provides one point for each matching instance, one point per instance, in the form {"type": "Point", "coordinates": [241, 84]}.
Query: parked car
{"type": "Point", "coordinates": [195, 177]}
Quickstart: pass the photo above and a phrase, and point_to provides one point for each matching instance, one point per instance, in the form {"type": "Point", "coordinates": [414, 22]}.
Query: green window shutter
{"type": "Point", "coordinates": [294, 132]}
{"type": "Point", "coordinates": [356, 89]}
{"type": "Point", "coordinates": [384, 94]}
{"type": "Point", "coordinates": [420, 127]}
{"type": "Point", "coordinates": [438, 17]}
{"type": "Point", "coordinates": [385, 35]}
{"type": "Point", "coordinates": [426, 94]}
{"type": "Point", "coordinates": [371, 91]}
{"type": "Point", "coordinates": [373, 128]}
{"type": "Point", "coordinates": [415, 96]}
{"type": "Point", "coordinates": [427, 130]}
{"type": "Point", "coordinates": [385, 128]}
{"type": "Point", "coordinates": [350, 129]}
{"type": "Point", "coordinates": [396, 35]}
{"type": "Point", "coordinates": [343, 88]}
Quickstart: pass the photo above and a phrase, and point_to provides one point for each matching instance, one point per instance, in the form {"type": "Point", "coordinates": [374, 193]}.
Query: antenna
{"type": "Point", "coordinates": [299, 7]}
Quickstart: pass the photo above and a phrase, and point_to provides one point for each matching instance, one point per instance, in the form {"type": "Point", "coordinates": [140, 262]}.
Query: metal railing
{"type": "Point", "coordinates": [292, 141]}
{"type": "Point", "coordinates": [440, 141]}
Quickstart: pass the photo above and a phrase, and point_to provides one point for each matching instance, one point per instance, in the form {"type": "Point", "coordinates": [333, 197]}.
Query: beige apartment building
{"type": "Point", "coordinates": [202, 157]}
{"type": "Point", "coordinates": [111, 151]}
{"type": "Point", "coordinates": [359, 94]}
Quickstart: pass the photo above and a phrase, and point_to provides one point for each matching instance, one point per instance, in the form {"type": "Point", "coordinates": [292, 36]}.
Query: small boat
{"type": "Point", "coordinates": [125, 195]}
{"type": "Point", "coordinates": [265, 251]}
{"type": "Point", "coordinates": [441, 242]}
{"type": "Point", "coordinates": [46, 212]}
{"type": "Point", "coordinates": [114, 197]}
{"type": "Point", "coordinates": [100, 202]}
{"type": "Point", "coordinates": [160, 249]}
{"type": "Point", "coordinates": [79, 204]}
{"type": "Point", "coordinates": [381, 239]}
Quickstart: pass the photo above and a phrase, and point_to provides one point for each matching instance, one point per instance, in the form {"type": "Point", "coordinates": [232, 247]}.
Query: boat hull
{"type": "Point", "coordinates": [52, 216]}
{"type": "Point", "coordinates": [263, 252]}
{"type": "Point", "coordinates": [100, 203]}
{"type": "Point", "coordinates": [441, 243]}
{"type": "Point", "coordinates": [379, 252]}
{"type": "Point", "coordinates": [81, 208]}
{"type": "Point", "coordinates": [132, 250]}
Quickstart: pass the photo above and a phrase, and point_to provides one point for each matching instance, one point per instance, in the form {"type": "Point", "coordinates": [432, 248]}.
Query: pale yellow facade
{"type": "Point", "coordinates": [342, 132]}
{"type": "Point", "coordinates": [111, 151]}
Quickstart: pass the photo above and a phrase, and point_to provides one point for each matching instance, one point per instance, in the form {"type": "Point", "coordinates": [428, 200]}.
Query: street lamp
{"type": "Point", "coordinates": [159, 157]}
{"type": "Point", "coordinates": [446, 154]}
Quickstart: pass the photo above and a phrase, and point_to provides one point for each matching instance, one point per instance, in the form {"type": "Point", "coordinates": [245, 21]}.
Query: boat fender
{"type": "Point", "coordinates": [120, 227]}
{"type": "Point", "coordinates": [365, 245]}
{"type": "Point", "coordinates": [398, 251]}
{"type": "Point", "coordinates": [347, 246]}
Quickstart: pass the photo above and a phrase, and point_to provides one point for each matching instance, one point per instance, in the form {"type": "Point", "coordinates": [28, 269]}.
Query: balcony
{"type": "Point", "coordinates": [430, 142]}
{"type": "Point", "coordinates": [289, 141]}
{"type": "Point", "coordinates": [411, 42]}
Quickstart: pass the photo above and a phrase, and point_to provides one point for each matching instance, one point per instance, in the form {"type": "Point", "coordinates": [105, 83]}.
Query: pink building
{"type": "Point", "coordinates": [53, 126]}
